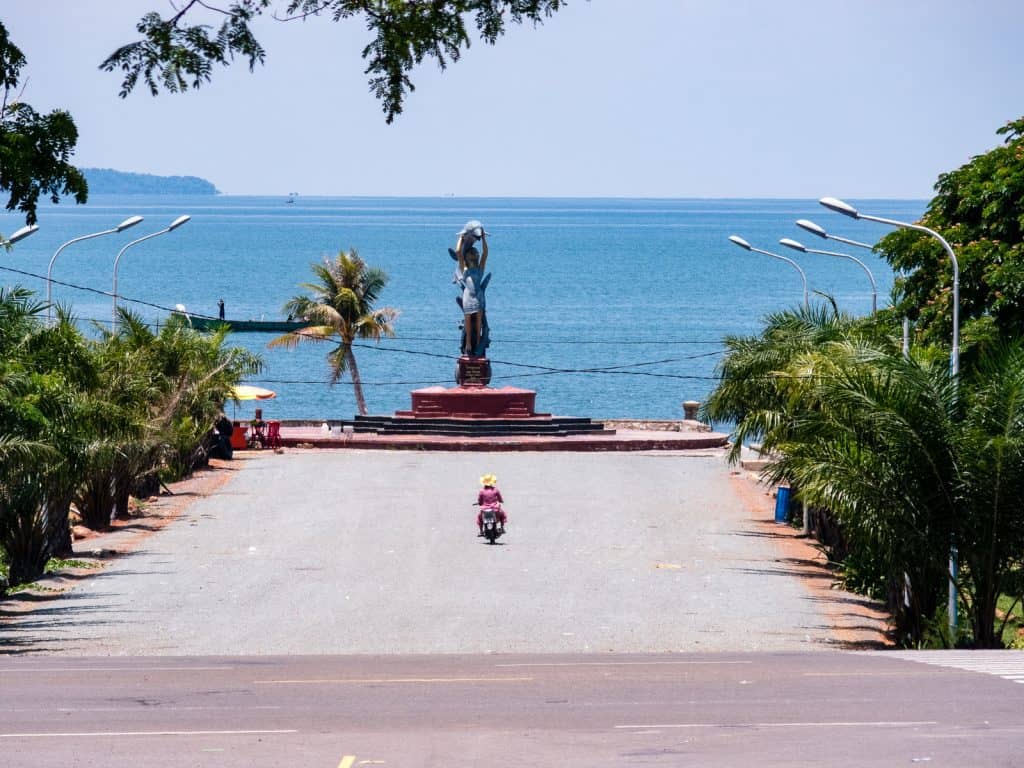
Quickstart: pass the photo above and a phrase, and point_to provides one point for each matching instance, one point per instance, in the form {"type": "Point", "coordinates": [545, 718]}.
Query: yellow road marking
{"type": "Point", "coordinates": [347, 761]}
{"type": "Point", "coordinates": [366, 680]}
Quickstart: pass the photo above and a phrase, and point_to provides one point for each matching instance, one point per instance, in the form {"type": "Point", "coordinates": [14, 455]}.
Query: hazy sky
{"type": "Point", "coordinates": [633, 98]}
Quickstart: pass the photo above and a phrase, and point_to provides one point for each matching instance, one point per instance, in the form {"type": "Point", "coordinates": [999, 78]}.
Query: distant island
{"type": "Point", "coordinates": [107, 181]}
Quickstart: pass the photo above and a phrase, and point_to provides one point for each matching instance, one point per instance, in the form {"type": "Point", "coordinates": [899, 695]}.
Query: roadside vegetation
{"type": "Point", "coordinates": [89, 421]}
{"type": "Point", "coordinates": [905, 460]}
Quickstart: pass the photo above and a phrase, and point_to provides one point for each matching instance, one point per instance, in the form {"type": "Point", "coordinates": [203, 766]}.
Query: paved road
{"type": "Point", "coordinates": [570, 711]}
{"type": "Point", "coordinates": [375, 552]}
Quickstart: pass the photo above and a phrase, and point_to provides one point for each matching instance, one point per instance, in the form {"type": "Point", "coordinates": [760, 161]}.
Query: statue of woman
{"type": "Point", "coordinates": [469, 274]}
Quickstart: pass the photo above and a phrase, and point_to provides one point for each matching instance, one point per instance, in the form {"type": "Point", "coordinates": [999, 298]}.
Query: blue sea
{"type": "Point", "coordinates": [609, 308]}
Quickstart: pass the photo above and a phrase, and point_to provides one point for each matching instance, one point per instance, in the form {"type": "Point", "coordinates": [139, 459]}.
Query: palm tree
{"type": "Point", "coordinates": [878, 454]}
{"type": "Point", "coordinates": [341, 307]}
{"type": "Point", "coordinates": [766, 380]}
{"type": "Point", "coordinates": [910, 463]}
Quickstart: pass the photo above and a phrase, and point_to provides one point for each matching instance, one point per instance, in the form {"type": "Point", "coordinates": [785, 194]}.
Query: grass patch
{"type": "Point", "coordinates": [1013, 634]}
{"type": "Point", "coordinates": [55, 564]}
{"type": "Point", "coordinates": [35, 586]}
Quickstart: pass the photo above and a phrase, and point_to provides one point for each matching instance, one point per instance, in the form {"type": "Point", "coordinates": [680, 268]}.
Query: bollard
{"type": "Point", "coordinates": [690, 408]}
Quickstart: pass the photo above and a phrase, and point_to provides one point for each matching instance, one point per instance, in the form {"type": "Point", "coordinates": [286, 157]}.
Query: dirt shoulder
{"type": "Point", "coordinates": [857, 622]}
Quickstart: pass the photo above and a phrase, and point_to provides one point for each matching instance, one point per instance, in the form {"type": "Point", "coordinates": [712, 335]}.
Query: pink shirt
{"type": "Point", "coordinates": [489, 497]}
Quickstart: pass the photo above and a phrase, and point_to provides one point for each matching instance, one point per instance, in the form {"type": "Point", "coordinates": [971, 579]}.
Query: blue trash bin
{"type": "Point", "coordinates": [782, 504]}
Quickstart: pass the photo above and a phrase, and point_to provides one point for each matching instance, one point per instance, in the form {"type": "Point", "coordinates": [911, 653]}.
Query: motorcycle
{"type": "Point", "coordinates": [491, 526]}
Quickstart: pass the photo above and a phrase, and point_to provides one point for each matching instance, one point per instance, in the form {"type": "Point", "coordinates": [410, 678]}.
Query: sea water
{"type": "Point", "coordinates": [612, 308]}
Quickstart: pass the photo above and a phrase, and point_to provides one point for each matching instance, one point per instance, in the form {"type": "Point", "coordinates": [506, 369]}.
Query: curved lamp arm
{"type": "Point", "coordinates": [173, 226]}
{"type": "Point", "coordinates": [129, 222]}
{"type": "Point", "coordinates": [846, 209]}
{"type": "Point", "coordinates": [748, 247]}
{"type": "Point", "coordinates": [804, 249]}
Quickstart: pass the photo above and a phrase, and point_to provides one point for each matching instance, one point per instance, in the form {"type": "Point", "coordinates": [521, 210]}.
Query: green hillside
{"type": "Point", "coordinates": [106, 181]}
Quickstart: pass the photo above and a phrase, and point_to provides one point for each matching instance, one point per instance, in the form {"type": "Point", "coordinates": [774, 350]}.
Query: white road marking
{"type": "Point", "coordinates": [617, 663]}
{"type": "Point", "coordinates": [856, 674]}
{"type": "Point", "coordinates": [132, 705]}
{"type": "Point", "coordinates": [80, 670]}
{"type": "Point", "coordinates": [1008, 665]}
{"type": "Point", "coordinates": [87, 734]}
{"type": "Point", "coordinates": [356, 681]}
{"type": "Point", "coordinates": [817, 724]}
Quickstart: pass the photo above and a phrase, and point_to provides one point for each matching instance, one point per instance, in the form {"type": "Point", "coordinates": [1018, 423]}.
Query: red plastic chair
{"type": "Point", "coordinates": [274, 434]}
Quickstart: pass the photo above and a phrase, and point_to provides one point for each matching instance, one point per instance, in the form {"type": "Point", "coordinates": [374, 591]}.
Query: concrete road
{"type": "Point", "coordinates": [375, 552]}
{"type": "Point", "coordinates": [570, 711]}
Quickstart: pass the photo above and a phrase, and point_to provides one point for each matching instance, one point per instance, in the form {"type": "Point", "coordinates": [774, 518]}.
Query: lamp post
{"type": "Point", "coordinates": [834, 204]}
{"type": "Point", "coordinates": [804, 249]}
{"type": "Point", "coordinates": [20, 234]}
{"type": "Point", "coordinates": [173, 226]}
{"type": "Point", "coordinates": [129, 222]}
{"type": "Point", "coordinates": [814, 229]}
{"type": "Point", "coordinates": [748, 247]}
{"type": "Point", "coordinates": [846, 209]}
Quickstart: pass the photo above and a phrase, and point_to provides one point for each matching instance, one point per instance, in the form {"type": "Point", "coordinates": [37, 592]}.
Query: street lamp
{"type": "Point", "coordinates": [129, 222]}
{"type": "Point", "coordinates": [748, 247]}
{"type": "Point", "coordinates": [21, 234]}
{"type": "Point", "coordinates": [846, 209]}
{"type": "Point", "coordinates": [834, 204]}
{"type": "Point", "coordinates": [804, 249]}
{"type": "Point", "coordinates": [814, 229]}
{"type": "Point", "coordinates": [173, 226]}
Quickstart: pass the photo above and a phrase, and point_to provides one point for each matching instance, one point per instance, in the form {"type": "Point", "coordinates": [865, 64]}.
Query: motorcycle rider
{"type": "Point", "coordinates": [490, 498]}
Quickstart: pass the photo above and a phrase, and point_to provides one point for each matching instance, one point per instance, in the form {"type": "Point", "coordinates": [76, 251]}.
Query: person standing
{"type": "Point", "coordinates": [220, 308]}
{"type": "Point", "coordinates": [224, 429]}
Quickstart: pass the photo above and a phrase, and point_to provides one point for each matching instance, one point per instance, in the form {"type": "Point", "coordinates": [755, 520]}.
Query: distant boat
{"type": "Point", "coordinates": [291, 197]}
{"type": "Point", "coordinates": [243, 326]}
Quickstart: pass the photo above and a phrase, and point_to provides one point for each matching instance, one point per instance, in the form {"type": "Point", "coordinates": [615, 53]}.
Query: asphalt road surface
{"type": "Point", "coordinates": [376, 552]}
{"type": "Point", "coordinates": [571, 711]}
{"type": "Point", "coordinates": [336, 609]}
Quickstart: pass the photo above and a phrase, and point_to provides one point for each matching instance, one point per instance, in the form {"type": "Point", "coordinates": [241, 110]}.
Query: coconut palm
{"type": "Point", "coordinates": [990, 535]}
{"type": "Point", "coordinates": [878, 454]}
{"type": "Point", "coordinates": [341, 309]}
{"type": "Point", "coordinates": [27, 455]}
{"type": "Point", "coordinates": [911, 464]}
{"type": "Point", "coordinates": [766, 380]}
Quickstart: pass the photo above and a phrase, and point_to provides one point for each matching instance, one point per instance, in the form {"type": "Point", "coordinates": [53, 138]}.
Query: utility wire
{"type": "Point", "coordinates": [540, 370]}
{"type": "Point", "coordinates": [130, 300]}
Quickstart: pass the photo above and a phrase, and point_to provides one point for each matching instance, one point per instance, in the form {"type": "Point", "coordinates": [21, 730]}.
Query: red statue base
{"type": "Point", "coordinates": [473, 399]}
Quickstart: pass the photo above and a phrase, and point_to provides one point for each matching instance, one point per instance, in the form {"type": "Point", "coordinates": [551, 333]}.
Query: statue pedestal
{"type": "Point", "coordinates": [472, 402]}
{"type": "Point", "coordinates": [473, 399]}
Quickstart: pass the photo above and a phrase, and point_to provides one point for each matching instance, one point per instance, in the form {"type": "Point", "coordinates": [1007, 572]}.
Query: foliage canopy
{"type": "Point", "coordinates": [979, 209]}
{"type": "Point", "coordinates": [175, 55]}
{"type": "Point", "coordinates": [34, 148]}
